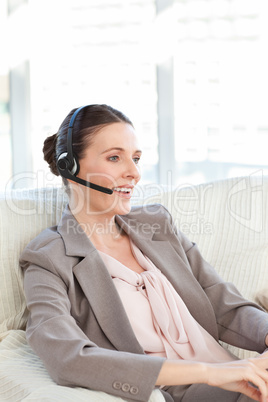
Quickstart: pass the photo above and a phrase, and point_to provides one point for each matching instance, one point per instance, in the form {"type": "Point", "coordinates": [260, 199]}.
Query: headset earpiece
{"type": "Point", "coordinates": [63, 164]}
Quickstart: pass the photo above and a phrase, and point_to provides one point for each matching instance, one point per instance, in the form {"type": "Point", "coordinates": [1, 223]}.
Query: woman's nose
{"type": "Point", "coordinates": [132, 170]}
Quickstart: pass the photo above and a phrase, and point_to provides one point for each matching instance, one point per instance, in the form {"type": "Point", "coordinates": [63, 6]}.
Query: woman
{"type": "Point", "coordinates": [119, 300]}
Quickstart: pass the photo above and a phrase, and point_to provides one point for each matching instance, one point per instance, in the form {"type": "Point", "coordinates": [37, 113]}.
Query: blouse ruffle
{"type": "Point", "coordinates": [159, 318]}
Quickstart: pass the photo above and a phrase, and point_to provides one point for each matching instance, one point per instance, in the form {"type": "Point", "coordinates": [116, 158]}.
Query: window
{"type": "Point", "coordinates": [221, 87]}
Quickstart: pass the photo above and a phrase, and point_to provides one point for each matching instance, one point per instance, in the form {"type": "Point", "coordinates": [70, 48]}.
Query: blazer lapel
{"type": "Point", "coordinates": [172, 265]}
{"type": "Point", "coordinates": [101, 293]}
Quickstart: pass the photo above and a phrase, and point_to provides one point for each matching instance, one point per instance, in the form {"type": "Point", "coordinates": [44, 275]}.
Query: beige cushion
{"type": "Point", "coordinates": [24, 378]}
{"type": "Point", "coordinates": [23, 214]}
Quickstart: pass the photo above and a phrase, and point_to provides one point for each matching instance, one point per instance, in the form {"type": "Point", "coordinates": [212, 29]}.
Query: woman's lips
{"type": "Point", "coordinates": [124, 191]}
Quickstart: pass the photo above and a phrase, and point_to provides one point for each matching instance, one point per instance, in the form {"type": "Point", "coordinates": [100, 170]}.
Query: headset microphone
{"type": "Point", "coordinates": [68, 165]}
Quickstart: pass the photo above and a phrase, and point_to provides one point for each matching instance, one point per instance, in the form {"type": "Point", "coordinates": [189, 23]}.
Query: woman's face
{"type": "Point", "coordinates": [111, 160]}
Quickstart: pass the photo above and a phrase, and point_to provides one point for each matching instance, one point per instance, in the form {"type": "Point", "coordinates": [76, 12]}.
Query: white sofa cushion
{"type": "Point", "coordinates": [23, 378]}
{"type": "Point", "coordinates": [23, 214]}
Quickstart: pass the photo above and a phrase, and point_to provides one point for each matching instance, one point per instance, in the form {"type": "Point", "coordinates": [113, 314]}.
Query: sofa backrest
{"type": "Point", "coordinates": [23, 215]}
{"type": "Point", "coordinates": [227, 219]}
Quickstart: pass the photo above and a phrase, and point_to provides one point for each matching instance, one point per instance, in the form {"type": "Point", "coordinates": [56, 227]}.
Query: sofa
{"type": "Point", "coordinates": [227, 219]}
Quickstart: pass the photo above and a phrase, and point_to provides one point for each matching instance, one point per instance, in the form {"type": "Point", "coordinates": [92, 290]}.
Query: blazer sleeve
{"type": "Point", "coordinates": [241, 322]}
{"type": "Point", "coordinates": [69, 356]}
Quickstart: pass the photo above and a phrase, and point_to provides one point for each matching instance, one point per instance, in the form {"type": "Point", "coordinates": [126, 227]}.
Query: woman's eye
{"type": "Point", "coordinates": [113, 158]}
{"type": "Point", "coordinates": [136, 160]}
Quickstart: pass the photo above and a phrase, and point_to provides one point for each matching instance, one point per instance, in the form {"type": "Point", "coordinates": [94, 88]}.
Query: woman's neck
{"type": "Point", "coordinates": [101, 229]}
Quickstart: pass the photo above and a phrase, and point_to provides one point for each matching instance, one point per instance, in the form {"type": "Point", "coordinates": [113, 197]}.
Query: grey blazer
{"type": "Point", "coordinates": [77, 323]}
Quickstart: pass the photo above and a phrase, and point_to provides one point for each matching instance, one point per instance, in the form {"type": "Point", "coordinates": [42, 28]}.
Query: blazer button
{"type": "Point", "coordinates": [125, 387]}
{"type": "Point", "coordinates": [117, 385]}
{"type": "Point", "coordinates": [134, 390]}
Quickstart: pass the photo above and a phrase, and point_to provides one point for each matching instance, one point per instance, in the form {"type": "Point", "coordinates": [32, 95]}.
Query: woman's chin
{"type": "Point", "coordinates": [123, 208]}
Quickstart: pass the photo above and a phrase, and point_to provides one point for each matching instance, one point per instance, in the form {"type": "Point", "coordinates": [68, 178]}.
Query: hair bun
{"type": "Point", "coordinates": [49, 151]}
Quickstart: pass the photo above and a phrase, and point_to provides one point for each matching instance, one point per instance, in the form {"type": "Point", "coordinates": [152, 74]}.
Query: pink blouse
{"type": "Point", "coordinates": [159, 318]}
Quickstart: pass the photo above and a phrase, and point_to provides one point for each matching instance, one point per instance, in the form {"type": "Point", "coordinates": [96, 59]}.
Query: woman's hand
{"type": "Point", "coordinates": [245, 376]}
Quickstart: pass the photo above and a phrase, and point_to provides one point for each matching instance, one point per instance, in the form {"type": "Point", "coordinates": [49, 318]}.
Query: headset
{"type": "Point", "coordinates": [68, 164]}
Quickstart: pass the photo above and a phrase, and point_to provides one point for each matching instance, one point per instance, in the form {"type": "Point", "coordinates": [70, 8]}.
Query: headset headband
{"type": "Point", "coordinates": [70, 135]}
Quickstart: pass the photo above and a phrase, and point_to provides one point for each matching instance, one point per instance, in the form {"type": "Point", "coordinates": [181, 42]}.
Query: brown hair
{"type": "Point", "coordinates": [87, 123]}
